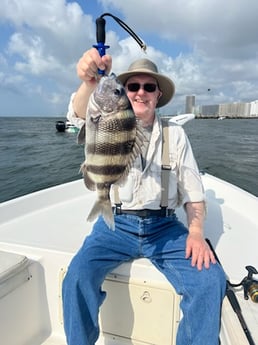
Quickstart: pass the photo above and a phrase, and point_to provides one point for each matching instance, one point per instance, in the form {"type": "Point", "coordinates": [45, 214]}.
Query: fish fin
{"type": "Point", "coordinates": [87, 180]}
{"type": "Point", "coordinates": [104, 208]}
{"type": "Point", "coordinates": [81, 135]}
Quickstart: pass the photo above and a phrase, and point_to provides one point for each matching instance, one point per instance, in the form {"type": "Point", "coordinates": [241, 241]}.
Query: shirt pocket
{"type": "Point", "coordinates": [126, 190]}
{"type": "Point", "coordinates": [153, 183]}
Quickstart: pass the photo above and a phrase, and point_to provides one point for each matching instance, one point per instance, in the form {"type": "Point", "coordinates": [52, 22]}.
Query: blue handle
{"type": "Point", "coordinates": [101, 47]}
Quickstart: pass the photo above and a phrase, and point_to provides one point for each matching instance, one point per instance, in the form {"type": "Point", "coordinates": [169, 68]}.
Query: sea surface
{"type": "Point", "coordinates": [33, 156]}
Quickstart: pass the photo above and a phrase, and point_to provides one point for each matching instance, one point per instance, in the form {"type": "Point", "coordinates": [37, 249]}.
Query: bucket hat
{"type": "Point", "coordinates": [145, 66]}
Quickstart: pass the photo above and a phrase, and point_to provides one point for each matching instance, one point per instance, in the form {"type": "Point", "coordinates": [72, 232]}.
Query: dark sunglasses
{"type": "Point", "coordinates": [148, 87]}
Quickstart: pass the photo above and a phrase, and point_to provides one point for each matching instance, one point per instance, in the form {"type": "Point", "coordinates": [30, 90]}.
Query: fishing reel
{"type": "Point", "coordinates": [250, 285]}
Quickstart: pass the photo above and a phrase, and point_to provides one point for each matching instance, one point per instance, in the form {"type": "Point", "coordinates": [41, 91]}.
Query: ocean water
{"type": "Point", "coordinates": [33, 156]}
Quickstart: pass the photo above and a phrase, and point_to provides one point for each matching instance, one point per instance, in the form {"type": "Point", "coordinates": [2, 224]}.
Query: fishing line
{"type": "Point", "coordinates": [101, 35]}
{"type": "Point", "coordinates": [127, 29]}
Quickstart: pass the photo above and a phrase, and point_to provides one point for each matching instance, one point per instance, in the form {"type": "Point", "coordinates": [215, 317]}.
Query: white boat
{"type": "Point", "coordinates": [40, 232]}
{"type": "Point", "coordinates": [66, 126]}
{"type": "Point", "coordinates": [181, 119]}
{"type": "Point", "coordinates": [70, 128]}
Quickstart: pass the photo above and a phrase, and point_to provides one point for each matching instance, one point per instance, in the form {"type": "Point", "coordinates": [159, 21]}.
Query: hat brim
{"type": "Point", "coordinates": [166, 85]}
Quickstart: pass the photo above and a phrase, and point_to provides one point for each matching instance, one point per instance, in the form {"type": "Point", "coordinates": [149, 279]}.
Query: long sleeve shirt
{"type": "Point", "coordinates": [142, 188]}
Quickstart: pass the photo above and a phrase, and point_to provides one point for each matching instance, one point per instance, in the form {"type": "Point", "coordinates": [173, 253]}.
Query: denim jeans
{"type": "Point", "coordinates": [162, 241]}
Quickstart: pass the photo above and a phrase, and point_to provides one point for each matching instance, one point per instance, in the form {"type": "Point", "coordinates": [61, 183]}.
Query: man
{"type": "Point", "coordinates": [142, 229]}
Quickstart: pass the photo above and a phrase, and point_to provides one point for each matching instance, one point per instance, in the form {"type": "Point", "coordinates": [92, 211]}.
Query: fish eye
{"type": "Point", "coordinates": [117, 92]}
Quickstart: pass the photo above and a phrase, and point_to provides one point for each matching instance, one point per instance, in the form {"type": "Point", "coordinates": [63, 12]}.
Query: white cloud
{"type": "Point", "coordinates": [47, 38]}
{"type": "Point", "coordinates": [204, 24]}
{"type": "Point", "coordinates": [221, 36]}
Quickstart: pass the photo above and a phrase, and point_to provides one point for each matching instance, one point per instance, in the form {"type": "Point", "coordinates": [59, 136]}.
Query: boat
{"type": "Point", "coordinates": [221, 117]}
{"type": "Point", "coordinates": [66, 126]}
{"type": "Point", "coordinates": [40, 233]}
{"type": "Point", "coordinates": [181, 119]}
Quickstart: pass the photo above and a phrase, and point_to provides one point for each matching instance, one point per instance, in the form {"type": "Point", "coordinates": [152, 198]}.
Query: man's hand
{"type": "Point", "coordinates": [89, 63]}
{"type": "Point", "coordinates": [196, 246]}
{"type": "Point", "coordinates": [199, 251]}
{"type": "Point", "coordinates": [87, 70]}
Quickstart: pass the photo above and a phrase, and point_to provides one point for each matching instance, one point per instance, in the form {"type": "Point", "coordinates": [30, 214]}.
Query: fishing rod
{"type": "Point", "coordinates": [101, 35]}
{"type": "Point", "coordinates": [249, 284]}
{"type": "Point", "coordinates": [233, 299]}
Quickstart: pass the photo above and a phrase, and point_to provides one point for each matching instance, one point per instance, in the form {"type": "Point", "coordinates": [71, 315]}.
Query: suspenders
{"type": "Point", "coordinates": [165, 169]}
{"type": "Point", "coordinates": [165, 164]}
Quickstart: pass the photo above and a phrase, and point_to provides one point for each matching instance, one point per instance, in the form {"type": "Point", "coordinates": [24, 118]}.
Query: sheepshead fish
{"type": "Point", "coordinates": [113, 140]}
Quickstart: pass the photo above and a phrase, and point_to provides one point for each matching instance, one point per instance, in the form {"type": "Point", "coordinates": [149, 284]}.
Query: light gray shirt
{"type": "Point", "coordinates": [142, 188]}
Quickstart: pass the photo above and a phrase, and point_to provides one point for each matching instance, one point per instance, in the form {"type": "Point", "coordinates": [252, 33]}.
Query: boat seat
{"type": "Point", "coordinates": [13, 271]}
{"type": "Point", "coordinates": [144, 311]}
{"type": "Point", "coordinates": [140, 308]}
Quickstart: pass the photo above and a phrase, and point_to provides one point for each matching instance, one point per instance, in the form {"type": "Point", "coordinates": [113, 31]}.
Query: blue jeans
{"type": "Point", "coordinates": [162, 241]}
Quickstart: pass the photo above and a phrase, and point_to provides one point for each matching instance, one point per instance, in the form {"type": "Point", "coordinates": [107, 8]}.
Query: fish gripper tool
{"type": "Point", "coordinates": [101, 38]}
{"type": "Point", "coordinates": [101, 35]}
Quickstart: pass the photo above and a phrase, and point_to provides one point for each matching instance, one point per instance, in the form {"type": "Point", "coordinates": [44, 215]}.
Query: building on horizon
{"type": "Point", "coordinates": [230, 110]}
{"type": "Point", "coordinates": [189, 104]}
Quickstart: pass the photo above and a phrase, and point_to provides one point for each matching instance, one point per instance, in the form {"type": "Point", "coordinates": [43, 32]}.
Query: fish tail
{"type": "Point", "coordinates": [104, 208]}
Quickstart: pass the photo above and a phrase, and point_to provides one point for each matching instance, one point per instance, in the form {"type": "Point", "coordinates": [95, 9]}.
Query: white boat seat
{"type": "Point", "coordinates": [144, 310]}
{"type": "Point", "coordinates": [13, 271]}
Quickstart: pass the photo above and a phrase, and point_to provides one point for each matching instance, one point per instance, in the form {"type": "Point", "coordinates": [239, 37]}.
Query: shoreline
{"type": "Point", "coordinates": [212, 117]}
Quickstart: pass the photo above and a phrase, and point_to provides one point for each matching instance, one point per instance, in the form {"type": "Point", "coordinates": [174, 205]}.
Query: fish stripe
{"type": "Point", "coordinates": [110, 137]}
{"type": "Point", "coordinates": [100, 160]}
{"type": "Point", "coordinates": [110, 148]}
{"type": "Point", "coordinates": [105, 179]}
{"type": "Point", "coordinates": [118, 125]}
{"type": "Point", "coordinates": [109, 170]}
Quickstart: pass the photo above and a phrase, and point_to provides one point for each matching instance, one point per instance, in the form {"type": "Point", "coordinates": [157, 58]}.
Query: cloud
{"type": "Point", "coordinates": [200, 44]}
{"type": "Point", "coordinates": [221, 38]}
{"type": "Point", "coordinates": [203, 24]}
{"type": "Point", "coordinates": [47, 38]}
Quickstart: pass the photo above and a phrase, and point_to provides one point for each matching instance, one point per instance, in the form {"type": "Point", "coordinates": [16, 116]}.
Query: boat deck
{"type": "Point", "coordinates": [49, 227]}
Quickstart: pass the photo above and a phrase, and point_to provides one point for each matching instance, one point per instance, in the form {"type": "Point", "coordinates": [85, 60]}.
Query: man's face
{"type": "Point", "coordinates": [143, 93]}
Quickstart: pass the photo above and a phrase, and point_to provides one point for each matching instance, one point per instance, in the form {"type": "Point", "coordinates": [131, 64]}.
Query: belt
{"type": "Point", "coordinates": [145, 213]}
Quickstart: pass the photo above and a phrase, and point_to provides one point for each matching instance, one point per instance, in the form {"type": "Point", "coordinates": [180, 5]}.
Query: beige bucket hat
{"type": "Point", "coordinates": [145, 66]}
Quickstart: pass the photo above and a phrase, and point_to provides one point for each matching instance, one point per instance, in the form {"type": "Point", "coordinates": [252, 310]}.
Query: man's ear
{"type": "Point", "coordinates": [159, 95]}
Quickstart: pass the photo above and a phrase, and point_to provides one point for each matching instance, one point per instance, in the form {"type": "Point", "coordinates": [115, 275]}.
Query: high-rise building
{"type": "Point", "coordinates": [189, 104]}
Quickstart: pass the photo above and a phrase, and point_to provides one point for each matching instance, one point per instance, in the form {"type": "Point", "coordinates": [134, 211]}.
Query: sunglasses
{"type": "Point", "coordinates": [148, 87]}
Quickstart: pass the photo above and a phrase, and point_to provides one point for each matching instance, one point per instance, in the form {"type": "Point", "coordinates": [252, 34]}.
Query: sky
{"type": "Point", "coordinates": [209, 48]}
